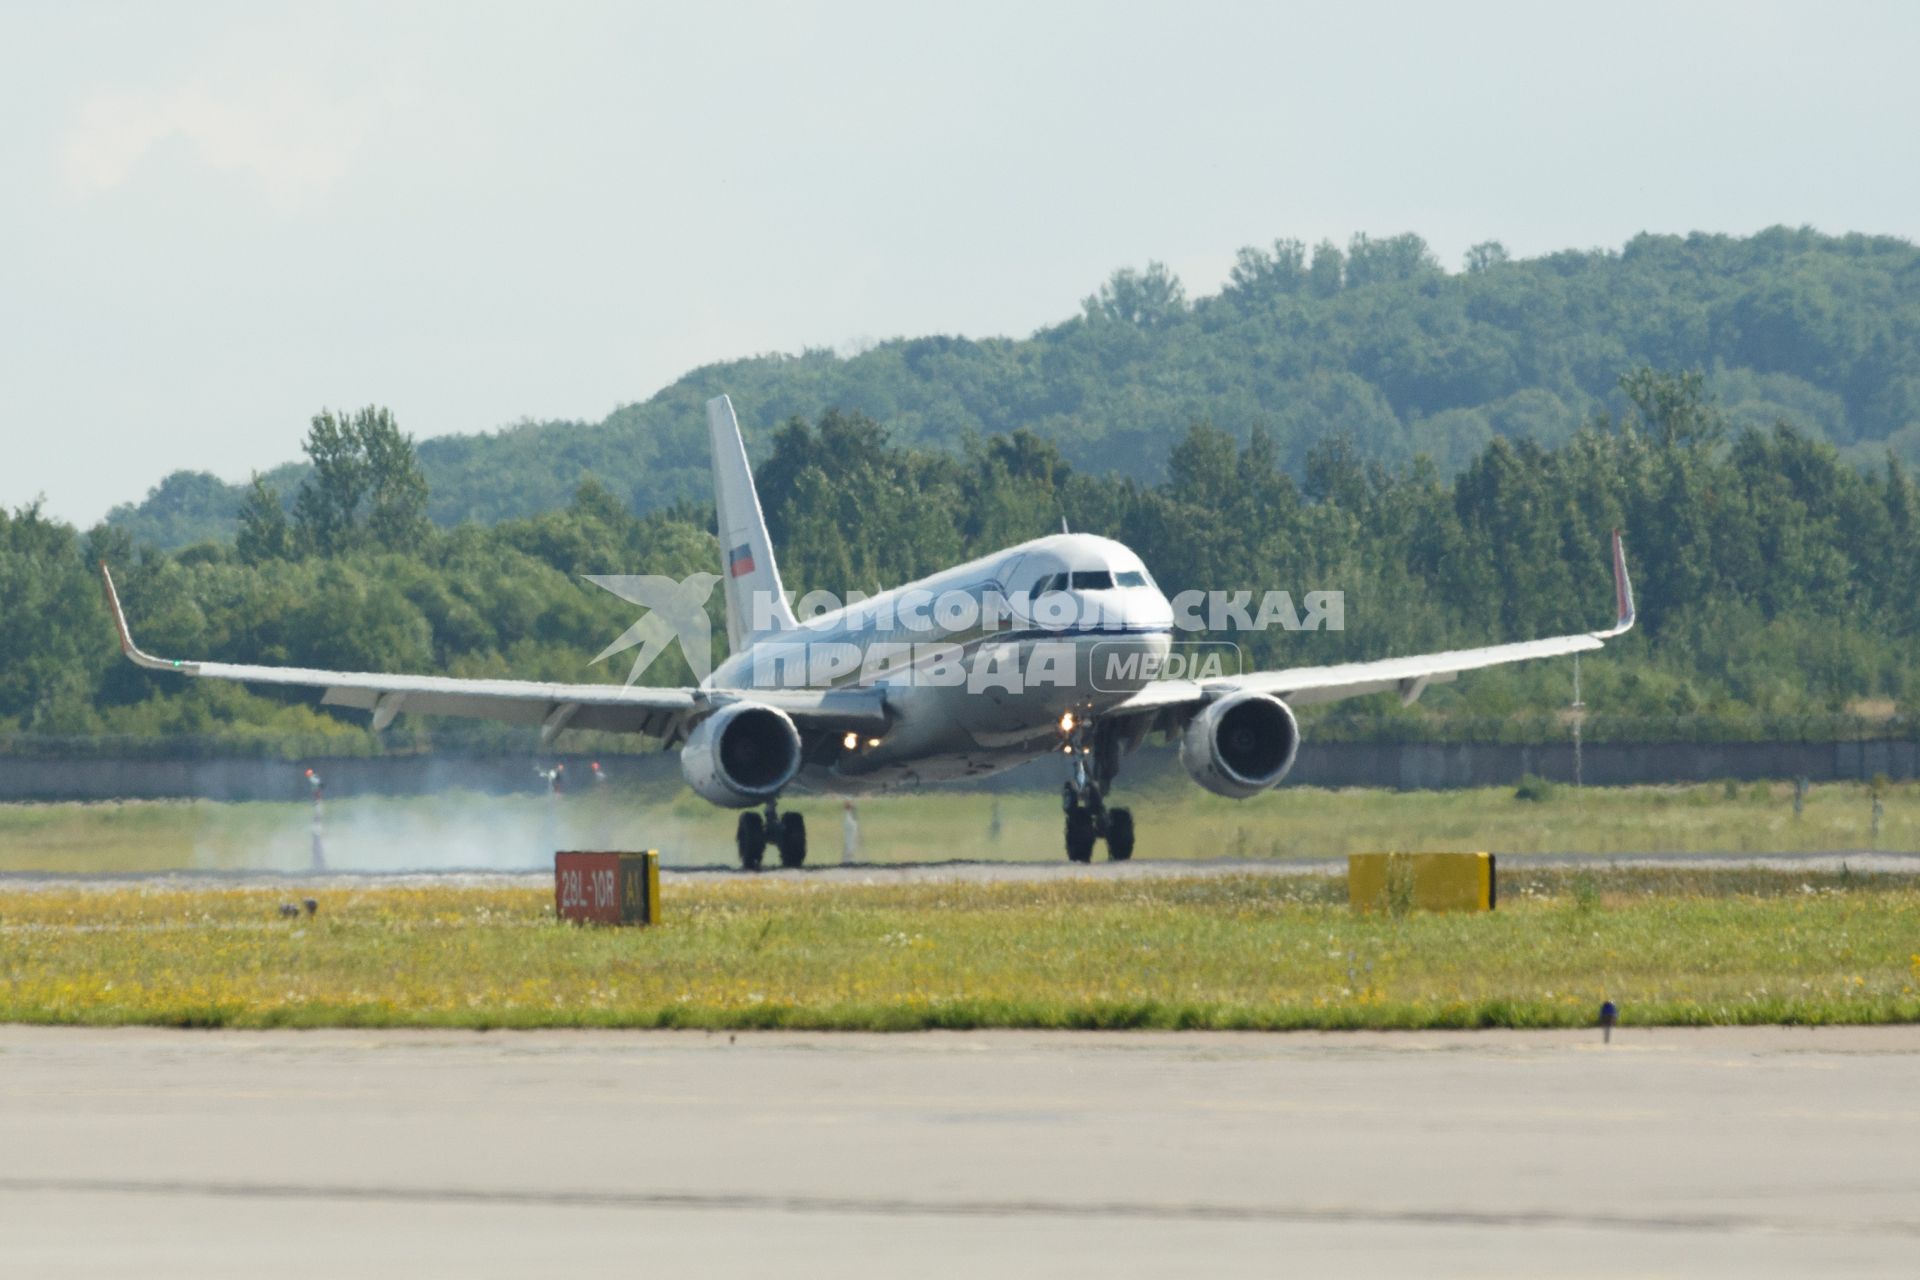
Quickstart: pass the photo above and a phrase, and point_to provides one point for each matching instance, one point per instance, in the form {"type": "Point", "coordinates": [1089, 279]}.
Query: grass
{"type": "Point", "coordinates": [1174, 820]}
{"type": "Point", "coordinates": [1251, 952]}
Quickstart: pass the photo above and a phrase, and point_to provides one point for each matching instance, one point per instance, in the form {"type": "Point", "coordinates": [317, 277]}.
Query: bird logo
{"type": "Point", "coordinates": [677, 610]}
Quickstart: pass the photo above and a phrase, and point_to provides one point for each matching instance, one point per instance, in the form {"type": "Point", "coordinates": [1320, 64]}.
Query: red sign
{"type": "Point", "coordinates": [586, 886]}
{"type": "Point", "coordinates": [607, 888]}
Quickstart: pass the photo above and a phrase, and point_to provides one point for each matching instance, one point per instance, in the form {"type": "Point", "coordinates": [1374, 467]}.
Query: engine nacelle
{"type": "Point", "coordinates": [741, 755]}
{"type": "Point", "coordinates": [1241, 745]}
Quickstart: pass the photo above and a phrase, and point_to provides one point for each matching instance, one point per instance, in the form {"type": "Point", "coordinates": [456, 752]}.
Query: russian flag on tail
{"type": "Point", "coordinates": [740, 560]}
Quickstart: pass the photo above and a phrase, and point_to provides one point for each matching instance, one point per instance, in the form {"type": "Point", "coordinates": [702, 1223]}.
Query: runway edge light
{"type": "Point", "coordinates": [607, 887]}
{"type": "Point", "coordinates": [1427, 881]}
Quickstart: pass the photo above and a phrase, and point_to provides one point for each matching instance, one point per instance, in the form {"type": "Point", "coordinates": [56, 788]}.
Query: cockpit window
{"type": "Point", "coordinates": [1131, 578]}
{"type": "Point", "coordinates": [1092, 580]}
{"type": "Point", "coordinates": [1053, 582]}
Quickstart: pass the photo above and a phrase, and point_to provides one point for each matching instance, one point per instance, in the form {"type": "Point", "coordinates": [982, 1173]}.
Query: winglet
{"type": "Point", "coordinates": [1622, 593]}
{"type": "Point", "coordinates": [127, 646]}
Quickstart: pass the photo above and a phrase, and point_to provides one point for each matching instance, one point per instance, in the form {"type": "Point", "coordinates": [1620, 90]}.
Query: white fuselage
{"type": "Point", "coordinates": [1094, 643]}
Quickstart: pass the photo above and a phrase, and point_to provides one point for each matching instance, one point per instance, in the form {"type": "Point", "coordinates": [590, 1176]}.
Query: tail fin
{"type": "Point", "coordinates": [756, 605]}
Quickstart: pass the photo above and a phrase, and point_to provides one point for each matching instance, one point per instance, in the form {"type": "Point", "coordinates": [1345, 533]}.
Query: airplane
{"type": "Point", "coordinates": [768, 721]}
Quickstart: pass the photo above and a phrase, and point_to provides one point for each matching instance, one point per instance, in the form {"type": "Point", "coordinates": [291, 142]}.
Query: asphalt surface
{"type": "Point", "coordinates": [1670, 1152]}
{"type": "Point", "coordinates": [977, 871]}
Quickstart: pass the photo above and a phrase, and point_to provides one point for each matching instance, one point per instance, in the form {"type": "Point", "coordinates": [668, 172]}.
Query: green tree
{"type": "Point", "coordinates": [1325, 276]}
{"type": "Point", "coordinates": [265, 533]}
{"type": "Point", "coordinates": [1675, 408]}
{"type": "Point", "coordinates": [396, 489]}
{"type": "Point", "coordinates": [1392, 260]}
{"type": "Point", "coordinates": [366, 486]}
{"type": "Point", "coordinates": [1485, 256]}
{"type": "Point", "coordinates": [1150, 299]}
{"type": "Point", "coordinates": [54, 635]}
{"type": "Point", "coordinates": [1257, 272]}
{"type": "Point", "coordinates": [327, 508]}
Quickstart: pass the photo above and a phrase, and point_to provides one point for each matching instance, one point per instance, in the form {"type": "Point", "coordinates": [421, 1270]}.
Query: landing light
{"type": "Point", "coordinates": [873, 742]}
{"type": "Point", "coordinates": [1066, 722]}
{"type": "Point", "coordinates": [851, 741]}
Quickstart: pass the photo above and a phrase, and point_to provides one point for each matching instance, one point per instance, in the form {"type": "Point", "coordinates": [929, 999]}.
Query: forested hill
{"type": "Point", "coordinates": [1775, 581]}
{"type": "Point", "coordinates": [1376, 342]}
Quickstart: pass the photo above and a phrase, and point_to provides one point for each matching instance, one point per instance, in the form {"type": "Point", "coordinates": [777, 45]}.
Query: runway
{"type": "Point", "coordinates": [973, 871]}
{"type": "Point", "coordinates": [1708, 1152]}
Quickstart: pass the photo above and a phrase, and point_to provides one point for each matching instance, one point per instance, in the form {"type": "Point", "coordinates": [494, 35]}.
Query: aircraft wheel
{"type": "Point", "coordinates": [1119, 835]}
{"type": "Point", "coordinates": [751, 838]}
{"type": "Point", "coordinates": [1080, 835]}
{"type": "Point", "coordinates": [793, 839]}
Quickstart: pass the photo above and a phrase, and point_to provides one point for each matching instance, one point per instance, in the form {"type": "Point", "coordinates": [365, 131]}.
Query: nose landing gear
{"type": "Point", "coordinates": [1083, 797]}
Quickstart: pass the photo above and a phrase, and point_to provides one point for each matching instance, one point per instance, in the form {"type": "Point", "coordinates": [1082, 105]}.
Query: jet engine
{"type": "Point", "coordinates": [1240, 745]}
{"type": "Point", "coordinates": [741, 755]}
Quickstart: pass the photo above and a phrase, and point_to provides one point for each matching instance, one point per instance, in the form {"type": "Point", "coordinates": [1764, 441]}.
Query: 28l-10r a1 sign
{"type": "Point", "coordinates": [607, 888]}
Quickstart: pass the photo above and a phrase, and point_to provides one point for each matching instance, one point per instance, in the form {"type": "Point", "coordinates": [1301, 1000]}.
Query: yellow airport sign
{"type": "Point", "coordinates": [1426, 881]}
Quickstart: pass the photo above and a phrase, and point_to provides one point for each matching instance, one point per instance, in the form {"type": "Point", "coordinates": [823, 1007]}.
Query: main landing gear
{"type": "Point", "coordinates": [787, 832]}
{"type": "Point", "coordinates": [1096, 758]}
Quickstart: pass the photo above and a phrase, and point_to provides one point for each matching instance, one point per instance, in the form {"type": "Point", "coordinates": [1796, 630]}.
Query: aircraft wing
{"type": "Point", "coordinates": [1303, 686]}
{"type": "Point", "coordinates": [661, 713]}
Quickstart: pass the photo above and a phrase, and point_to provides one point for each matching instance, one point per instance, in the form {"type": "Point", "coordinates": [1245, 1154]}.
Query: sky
{"type": "Point", "coordinates": [217, 219]}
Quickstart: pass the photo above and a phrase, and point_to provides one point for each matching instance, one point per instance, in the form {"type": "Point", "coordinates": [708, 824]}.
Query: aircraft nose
{"type": "Point", "coordinates": [1147, 608]}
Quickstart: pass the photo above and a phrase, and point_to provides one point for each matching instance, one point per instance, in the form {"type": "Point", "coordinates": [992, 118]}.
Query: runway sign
{"type": "Point", "coordinates": [607, 888]}
{"type": "Point", "coordinates": [1428, 881]}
